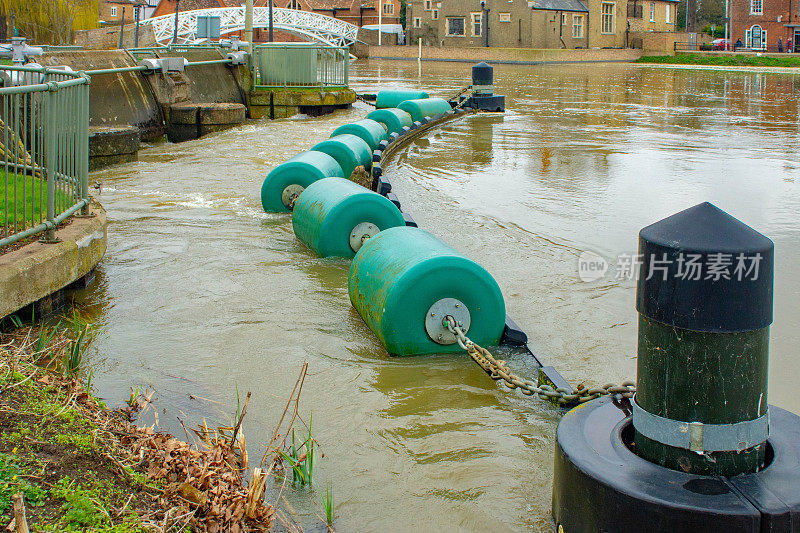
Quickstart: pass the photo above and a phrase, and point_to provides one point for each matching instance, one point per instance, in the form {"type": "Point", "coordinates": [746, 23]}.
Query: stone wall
{"type": "Point", "coordinates": [107, 38]}
{"type": "Point", "coordinates": [504, 55]}
{"type": "Point", "coordinates": [370, 37]}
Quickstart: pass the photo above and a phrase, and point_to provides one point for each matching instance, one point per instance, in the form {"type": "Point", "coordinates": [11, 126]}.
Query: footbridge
{"type": "Point", "coordinates": [313, 26]}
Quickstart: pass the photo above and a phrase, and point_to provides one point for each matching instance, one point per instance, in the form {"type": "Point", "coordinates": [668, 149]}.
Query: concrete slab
{"type": "Point", "coordinates": [38, 270]}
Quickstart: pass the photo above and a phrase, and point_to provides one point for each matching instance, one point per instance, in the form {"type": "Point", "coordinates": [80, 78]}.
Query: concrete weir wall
{"type": "Point", "coordinates": [210, 83]}
{"type": "Point", "coordinates": [114, 99]}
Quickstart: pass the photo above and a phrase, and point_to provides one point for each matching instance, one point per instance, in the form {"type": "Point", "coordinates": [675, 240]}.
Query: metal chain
{"type": "Point", "coordinates": [498, 370]}
{"type": "Point", "coordinates": [368, 102]}
{"type": "Point", "coordinates": [462, 91]}
{"type": "Point", "coordinates": [468, 92]}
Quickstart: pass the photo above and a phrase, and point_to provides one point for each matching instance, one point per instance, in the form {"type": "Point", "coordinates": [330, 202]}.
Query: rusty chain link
{"type": "Point", "coordinates": [468, 91]}
{"type": "Point", "coordinates": [498, 370]}
{"type": "Point", "coordinates": [362, 99]}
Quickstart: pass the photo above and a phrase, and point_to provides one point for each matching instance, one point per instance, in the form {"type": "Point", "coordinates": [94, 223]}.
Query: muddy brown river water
{"type": "Point", "coordinates": [201, 292]}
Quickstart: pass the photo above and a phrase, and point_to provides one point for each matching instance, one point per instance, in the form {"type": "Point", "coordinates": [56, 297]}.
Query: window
{"type": "Point", "coordinates": [113, 11]}
{"type": "Point", "coordinates": [652, 11]}
{"type": "Point", "coordinates": [416, 22]}
{"type": "Point", "coordinates": [563, 19]}
{"type": "Point", "coordinates": [505, 17]}
{"type": "Point", "coordinates": [756, 7]}
{"type": "Point", "coordinates": [607, 18]}
{"type": "Point", "coordinates": [668, 6]}
{"type": "Point", "coordinates": [455, 25]}
{"type": "Point", "coordinates": [476, 23]}
{"type": "Point", "coordinates": [388, 9]}
{"type": "Point", "coordinates": [293, 4]}
{"type": "Point", "coordinates": [577, 26]}
{"type": "Point", "coordinates": [756, 38]}
{"type": "Point", "coordinates": [435, 14]}
{"type": "Point", "coordinates": [427, 5]}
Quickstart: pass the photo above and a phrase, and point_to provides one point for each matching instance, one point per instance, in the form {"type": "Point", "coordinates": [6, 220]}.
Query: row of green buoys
{"type": "Point", "coordinates": [403, 280]}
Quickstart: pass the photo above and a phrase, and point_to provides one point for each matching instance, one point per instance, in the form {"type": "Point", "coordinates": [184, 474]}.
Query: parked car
{"type": "Point", "coordinates": [721, 44]}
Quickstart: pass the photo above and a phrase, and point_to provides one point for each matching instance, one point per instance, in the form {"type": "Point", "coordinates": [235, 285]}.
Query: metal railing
{"type": "Point", "coordinates": [773, 48]}
{"type": "Point", "coordinates": [140, 53]}
{"type": "Point", "coordinates": [301, 65]}
{"type": "Point", "coordinates": [44, 117]}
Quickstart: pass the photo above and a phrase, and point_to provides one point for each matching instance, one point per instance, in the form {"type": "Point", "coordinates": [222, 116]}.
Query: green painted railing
{"type": "Point", "coordinates": [141, 53]}
{"type": "Point", "coordinates": [301, 65]}
{"type": "Point", "coordinates": [44, 132]}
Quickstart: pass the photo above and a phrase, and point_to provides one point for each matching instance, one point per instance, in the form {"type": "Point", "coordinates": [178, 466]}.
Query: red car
{"type": "Point", "coordinates": [721, 44]}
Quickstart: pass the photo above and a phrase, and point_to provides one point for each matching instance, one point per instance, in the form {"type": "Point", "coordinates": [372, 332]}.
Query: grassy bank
{"type": "Point", "coordinates": [68, 463]}
{"type": "Point", "coordinates": [727, 60]}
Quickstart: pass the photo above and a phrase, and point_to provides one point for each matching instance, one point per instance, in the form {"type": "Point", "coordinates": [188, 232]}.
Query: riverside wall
{"type": "Point", "coordinates": [506, 55]}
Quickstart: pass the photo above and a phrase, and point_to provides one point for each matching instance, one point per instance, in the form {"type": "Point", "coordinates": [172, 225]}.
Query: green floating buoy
{"type": "Point", "coordinates": [404, 281]}
{"type": "Point", "coordinates": [284, 183]}
{"type": "Point", "coordinates": [371, 131]}
{"type": "Point", "coordinates": [335, 216]}
{"type": "Point", "coordinates": [425, 107]}
{"type": "Point", "coordinates": [393, 119]}
{"type": "Point", "coordinates": [350, 151]}
{"type": "Point", "coordinates": [394, 98]}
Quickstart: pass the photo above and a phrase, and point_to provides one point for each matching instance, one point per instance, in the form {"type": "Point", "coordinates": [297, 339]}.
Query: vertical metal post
{"type": "Point", "coordinates": [175, 29]}
{"type": "Point", "coordinates": [83, 135]}
{"type": "Point", "coordinates": [346, 59]}
{"type": "Point", "coordinates": [136, 29]}
{"type": "Point", "coordinates": [50, 160]}
{"type": "Point", "coordinates": [271, 36]}
{"type": "Point", "coordinates": [122, 29]}
{"type": "Point", "coordinates": [705, 306]}
{"type": "Point", "coordinates": [248, 24]}
{"type": "Point", "coordinates": [380, 21]}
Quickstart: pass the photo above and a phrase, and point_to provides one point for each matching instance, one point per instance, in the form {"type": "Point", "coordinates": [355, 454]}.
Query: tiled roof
{"type": "Point", "coordinates": [558, 5]}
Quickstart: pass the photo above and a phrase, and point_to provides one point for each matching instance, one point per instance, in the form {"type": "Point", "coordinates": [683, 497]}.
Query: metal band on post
{"type": "Point", "coordinates": [700, 437]}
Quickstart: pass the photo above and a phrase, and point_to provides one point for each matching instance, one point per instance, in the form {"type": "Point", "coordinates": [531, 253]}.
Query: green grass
{"type": "Point", "coordinates": [726, 60]}
{"type": "Point", "coordinates": [12, 482]}
{"type": "Point", "coordinates": [33, 198]}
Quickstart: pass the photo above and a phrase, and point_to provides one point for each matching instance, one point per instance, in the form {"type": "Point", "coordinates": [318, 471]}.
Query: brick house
{"type": "Point", "coordinates": [167, 7]}
{"type": "Point", "coordinates": [652, 15]}
{"type": "Point", "coordinates": [110, 11]}
{"type": "Point", "coordinates": [652, 24]}
{"type": "Point", "coordinates": [518, 23]}
{"type": "Point", "coordinates": [358, 12]}
{"type": "Point", "coordinates": [760, 24]}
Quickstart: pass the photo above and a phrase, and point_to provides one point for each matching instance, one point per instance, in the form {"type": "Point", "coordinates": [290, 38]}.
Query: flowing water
{"type": "Point", "coordinates": [202, 293]}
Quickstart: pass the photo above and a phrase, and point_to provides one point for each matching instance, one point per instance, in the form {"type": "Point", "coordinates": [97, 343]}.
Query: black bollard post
{"type": "Point", "coordinates": [698, 449]}
{"type": "Point", "coordinates": [705, 306]}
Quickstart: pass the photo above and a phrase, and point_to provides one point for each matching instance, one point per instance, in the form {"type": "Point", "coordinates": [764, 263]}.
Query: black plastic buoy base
{"type": "Point", "coordinates": [599, 484]}
{"type": "Point", "coordinates": [494, 103]}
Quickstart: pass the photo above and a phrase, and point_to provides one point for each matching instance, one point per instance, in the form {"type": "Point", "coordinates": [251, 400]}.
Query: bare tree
{"type": "Point", "coordinates": [46, 21]}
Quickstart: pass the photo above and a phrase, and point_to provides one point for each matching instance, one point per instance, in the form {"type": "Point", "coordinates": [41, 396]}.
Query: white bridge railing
{"type": "Point", "coordinates": [327, 30]}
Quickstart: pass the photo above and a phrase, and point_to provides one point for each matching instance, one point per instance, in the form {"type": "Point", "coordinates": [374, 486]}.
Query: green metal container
{"type": "Point", "coordinates": [426, 107]}
{"type": "Point", "coordinates": [393, 119]}
{"type": "Point", "coordinates": [335, 216]}
{"type": "Point", "coordinates": [292, 177]}
{"type": "Point", "coordinates": [404, 281]}
{"type": "Point", "coordinates": [394, 98]}
{"type": "Point", "coordinates": [348, 150]}
{"type": "Point", "coordinates": [370, 130]}
{"type": "Point", "coordinates": [287, 64]}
